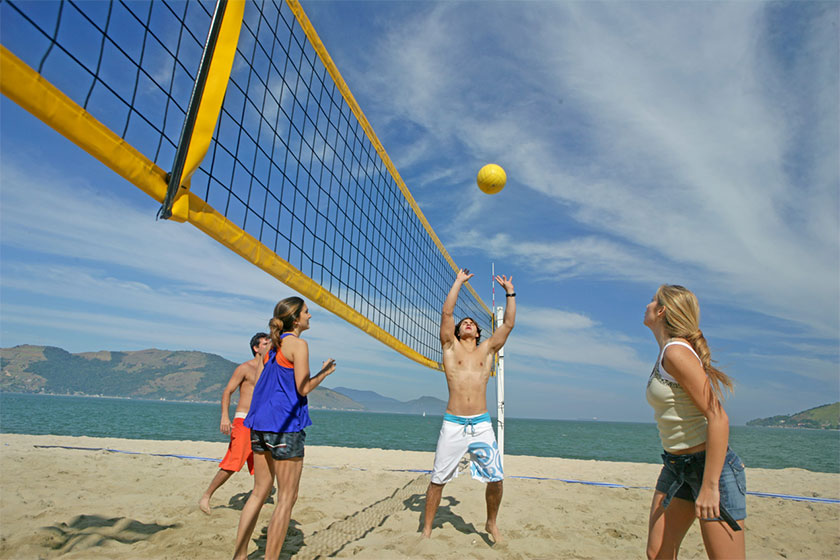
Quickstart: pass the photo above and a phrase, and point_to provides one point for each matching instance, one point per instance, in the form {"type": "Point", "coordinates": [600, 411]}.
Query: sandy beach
{"type": "Point", "coordinates": [364, 503]}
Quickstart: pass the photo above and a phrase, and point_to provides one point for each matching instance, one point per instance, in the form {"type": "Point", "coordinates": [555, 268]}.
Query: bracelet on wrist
{"type": "Point", "coordinates": [512, 294]}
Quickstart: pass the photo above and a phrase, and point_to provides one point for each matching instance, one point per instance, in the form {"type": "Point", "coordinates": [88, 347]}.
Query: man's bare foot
{"type": "Point", "coordinates": [427, 534]}
{"type": "Point", "coordinates": [495, 534]}
{"type": "Point", "coordinates": [204, 505]}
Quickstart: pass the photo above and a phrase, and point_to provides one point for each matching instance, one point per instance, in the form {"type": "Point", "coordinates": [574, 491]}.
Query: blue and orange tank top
{"type": "Point", "coordinates": [276, 405]}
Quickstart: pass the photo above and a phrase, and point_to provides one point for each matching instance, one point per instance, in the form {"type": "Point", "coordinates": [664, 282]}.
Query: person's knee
{"type": "Point", "coordinates": [495, 487]}
{"type": "Point", "coordinates": [435, 487]}
{"type": "Point", "coordinates": [262, 491]}
{"type": "Point", "coordinates": [257, 498]}
{"type": "Point", "coordinates": [287, 496]}
{"type": "Point", "coordinates": [655, 552]}
{"type": "Point", "coordinates": [658, 550]}
{"type": "Point", "coordinates": [263, 486]}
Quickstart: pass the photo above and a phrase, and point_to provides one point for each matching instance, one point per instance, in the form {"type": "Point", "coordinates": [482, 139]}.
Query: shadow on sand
{"type": "Point", "coordinates": [89, 531]}
{"type": "Point", "coordinates": [444, 515]}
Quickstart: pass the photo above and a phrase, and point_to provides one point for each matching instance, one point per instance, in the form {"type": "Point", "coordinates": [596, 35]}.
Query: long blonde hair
{"type": "Point", "coordinates": [682, 320]}
{"type": "Point", "coordinates": [286, 313]}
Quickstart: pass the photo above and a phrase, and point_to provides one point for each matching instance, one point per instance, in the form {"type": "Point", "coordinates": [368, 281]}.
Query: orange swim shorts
{"type": "Point", "coordinates": [239, 449]}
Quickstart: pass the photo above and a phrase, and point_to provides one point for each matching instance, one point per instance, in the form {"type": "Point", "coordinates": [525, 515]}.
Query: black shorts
{"type": "Point", "coordinates": [282, 445]}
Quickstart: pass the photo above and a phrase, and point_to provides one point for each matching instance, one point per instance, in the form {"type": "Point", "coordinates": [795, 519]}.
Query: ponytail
{"type": "Point", "coordinates": [682, 320]}
{"type": "Point", "coordinates": [286, 312]}
{"type": "Point", "coordinates": [717, 377]}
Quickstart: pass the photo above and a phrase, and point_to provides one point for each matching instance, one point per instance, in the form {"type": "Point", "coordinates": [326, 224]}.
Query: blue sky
{"type": "Point", "coordinates": [651, 142]}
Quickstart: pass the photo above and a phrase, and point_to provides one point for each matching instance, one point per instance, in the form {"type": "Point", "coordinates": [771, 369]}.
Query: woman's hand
{"type": "Point", "coordinates": [328, 367]}
{"type": "Point", "coordinates": [707, 504]}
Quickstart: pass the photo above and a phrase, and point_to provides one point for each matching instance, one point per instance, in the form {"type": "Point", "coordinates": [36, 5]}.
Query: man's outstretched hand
{"type": "Point", "coordinates": [506, 283]}
{"type": "Point", "coordinates": [463, 275]}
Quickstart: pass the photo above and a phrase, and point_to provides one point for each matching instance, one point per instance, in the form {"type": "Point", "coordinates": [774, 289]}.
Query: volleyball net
{"type": "Point", "coordinates": [234, 117]}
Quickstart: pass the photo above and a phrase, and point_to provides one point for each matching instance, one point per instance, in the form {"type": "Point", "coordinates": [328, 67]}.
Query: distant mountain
{"type": "Point", "coordinates": [429, 405]}
{"type": "Point", "coordinates": [375, 402]}
{"type": "Point", "coordinates": [825, 417]}
{"type": "Point", "coordinates": [148, 374]}
{"type": "Point", "coordinates": [369, 399]}
{"type": "Point", "coordinates": [323, 398]}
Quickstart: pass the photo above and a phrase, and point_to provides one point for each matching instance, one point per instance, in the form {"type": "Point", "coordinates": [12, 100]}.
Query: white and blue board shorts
{"type": "Point", "coordinates": [462, 434]}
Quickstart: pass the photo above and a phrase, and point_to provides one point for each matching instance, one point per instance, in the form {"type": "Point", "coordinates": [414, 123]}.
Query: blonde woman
{"type": "Point", "coordinates": [701, 478]}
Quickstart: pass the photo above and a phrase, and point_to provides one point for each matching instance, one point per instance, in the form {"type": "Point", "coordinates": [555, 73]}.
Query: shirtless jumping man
{"type": "Point", "coordinates": [239, 450]}
{"type": "Point", "coordinates": [466, 425]}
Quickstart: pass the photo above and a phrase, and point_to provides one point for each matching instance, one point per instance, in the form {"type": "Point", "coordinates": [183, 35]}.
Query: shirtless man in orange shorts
{"type": "Point", "coordinates": [239, 450]}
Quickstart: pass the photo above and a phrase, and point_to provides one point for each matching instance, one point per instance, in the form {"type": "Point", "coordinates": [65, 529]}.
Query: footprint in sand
{"type": "Point", "coordinates": [87, 531]}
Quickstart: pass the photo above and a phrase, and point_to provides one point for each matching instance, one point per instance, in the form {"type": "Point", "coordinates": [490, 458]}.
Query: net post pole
{"type": "Point", "coordinates": [493, 288]}
{"type": "Point", "coordinates": [500, 388]}
{"type": "Point", "coordinates": [174, 176]}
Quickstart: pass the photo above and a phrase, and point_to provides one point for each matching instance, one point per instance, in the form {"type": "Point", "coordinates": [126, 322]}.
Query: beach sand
{"type": "Point", "coordinates": [363, 503]}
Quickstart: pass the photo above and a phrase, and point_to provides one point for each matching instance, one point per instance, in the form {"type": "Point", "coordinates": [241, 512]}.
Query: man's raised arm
{"type": "Point", "coordinates": [447, 319]}
{"type": "Point", "coordinates": [501, 333]}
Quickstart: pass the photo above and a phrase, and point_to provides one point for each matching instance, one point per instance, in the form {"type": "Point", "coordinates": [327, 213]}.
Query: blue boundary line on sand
{"type": "Point", "coordinates": [569, 481]}
{"type": "Point", "coordinates": [129, 452]}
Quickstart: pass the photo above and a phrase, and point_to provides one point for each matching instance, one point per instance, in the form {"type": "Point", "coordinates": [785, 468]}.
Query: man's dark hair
{"type": "Point", "coordinates": [255, 341]}
{"type": "Point", "coordinates": [477, 329]}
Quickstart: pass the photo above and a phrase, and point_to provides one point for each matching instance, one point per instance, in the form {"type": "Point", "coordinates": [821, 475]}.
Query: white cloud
{"type": "Point", "coordinates": [820, 369]}
{"type": "Point", "coordinates": [59, 215]}
{"type": "Point", "coordinates": [562, 339]}
{"type": "Point", "coordinates": [582, 256]}
{"type": "Point", "coordinates": [673, 141]}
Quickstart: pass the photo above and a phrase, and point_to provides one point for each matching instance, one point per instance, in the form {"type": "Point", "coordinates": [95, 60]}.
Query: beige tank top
{"type": "Point", "coordinates": [681, 424]}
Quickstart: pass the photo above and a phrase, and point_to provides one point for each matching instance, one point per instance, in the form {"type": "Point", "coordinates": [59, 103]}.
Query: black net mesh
{"type": "Point", "coordinates": [131, 65]}
{"type": "Point", "coordinates": [290, 163]}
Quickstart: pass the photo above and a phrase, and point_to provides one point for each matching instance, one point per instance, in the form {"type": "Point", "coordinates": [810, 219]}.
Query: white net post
{"type": "Point", "coordinates": [500, 388]}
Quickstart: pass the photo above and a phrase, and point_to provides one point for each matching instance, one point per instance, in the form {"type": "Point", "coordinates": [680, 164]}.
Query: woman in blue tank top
{"type": "Point", "coordinates": [277, 418]}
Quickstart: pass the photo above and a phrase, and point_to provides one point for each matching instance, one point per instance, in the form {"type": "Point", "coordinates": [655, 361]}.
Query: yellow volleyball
{"type": "Point", "coordinates": [491, 178]}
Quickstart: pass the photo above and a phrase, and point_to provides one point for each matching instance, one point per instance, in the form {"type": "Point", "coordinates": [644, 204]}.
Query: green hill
{"type": "Point", "coordinates": [825, 417]}
{"type": "Point", "coordinates": [148, 374]}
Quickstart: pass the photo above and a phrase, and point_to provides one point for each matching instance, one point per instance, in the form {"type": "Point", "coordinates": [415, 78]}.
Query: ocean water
{"type": "Point", "coordinates": [770, 448]}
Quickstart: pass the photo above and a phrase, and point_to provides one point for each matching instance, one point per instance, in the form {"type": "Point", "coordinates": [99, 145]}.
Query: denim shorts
{"type": "Point", "coordinates": [281, 445]}
{"type": "Point", "coordinates": [682, 476]}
